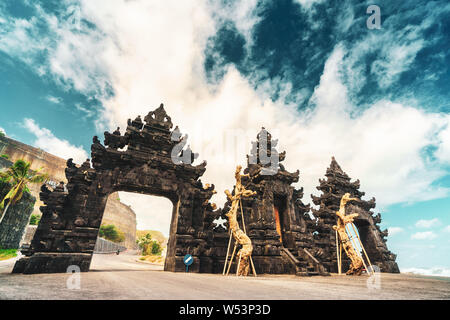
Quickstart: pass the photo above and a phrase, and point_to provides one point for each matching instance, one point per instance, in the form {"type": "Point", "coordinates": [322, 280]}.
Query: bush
{"type": "Point", "coordinates": [144, 243]}
{"type": "Point", "coordinates": [149, 246]}
{"type": "Point", "coordinates": [112, 233]}
{"type": "Point", "coordinates": [156, 248]}
{"type": "Point", "coordinates": [34, 220]}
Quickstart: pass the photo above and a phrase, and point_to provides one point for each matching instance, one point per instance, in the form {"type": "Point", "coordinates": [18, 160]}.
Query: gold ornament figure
{"type": "Point", "coordinates": [357, 263]}
{"type": "Point", "coordinates": [239, 236]}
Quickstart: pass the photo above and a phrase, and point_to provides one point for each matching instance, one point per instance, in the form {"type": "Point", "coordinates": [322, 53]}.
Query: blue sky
{"type": "Point", "coordinates": [308, 70]}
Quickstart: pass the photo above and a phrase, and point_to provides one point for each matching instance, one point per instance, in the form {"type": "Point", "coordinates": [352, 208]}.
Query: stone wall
{"type": "Point", "coordinates": [17, 217]}
{"type": "Point", "coordinates": [123, 217]}
{"type": "Point", "coordinates": [106, 246]}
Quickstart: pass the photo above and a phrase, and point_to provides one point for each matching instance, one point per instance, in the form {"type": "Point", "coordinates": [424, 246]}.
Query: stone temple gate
{"type": "Point", "coordinates": [286, 239]}
{"type": "Point", "coordinates": [72, 214]}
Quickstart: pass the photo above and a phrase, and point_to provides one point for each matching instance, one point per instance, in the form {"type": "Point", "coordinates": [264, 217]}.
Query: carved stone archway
{"type": "Point", "coordinates": [138, 161]}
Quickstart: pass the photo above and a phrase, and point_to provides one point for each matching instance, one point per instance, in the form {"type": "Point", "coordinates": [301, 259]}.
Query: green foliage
{"type": "Point", "coordinates": [19, 175]}
{"type": "Point", "coordinates": [156, 248]}
{"type": "Point", "coordinates": [3, 178]}
{"type": "Point", "coordinates": [2, 134]}
{"type": "Point", "coordinates": [7, 253]}
{"type": "Point", "coordinates": [5, 156]}
{"type": "Point", "coordinates": [112, 233]}
{"type": "Point", "coordinates": [149, 246]}
{"type": "Point", "coordinates": [34, 220]}
{"type": "Point", "coordinates": [144, 243]}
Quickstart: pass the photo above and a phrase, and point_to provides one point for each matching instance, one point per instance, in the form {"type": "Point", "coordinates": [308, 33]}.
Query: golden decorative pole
{"type": "Point", "coordinates": [338, 258]}
{"type": "Point", "coordinates": [226, 258]}
{"type": "Point", "coordinates": [231, 260]}
{"type": "Point", "coordinates": [239, 235]}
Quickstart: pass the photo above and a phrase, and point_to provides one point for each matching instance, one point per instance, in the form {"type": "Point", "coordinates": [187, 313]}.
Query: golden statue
{"type": "Point", "coordinates": [239, 236]}
{"type": "Point", "coordinates": [357, 263]}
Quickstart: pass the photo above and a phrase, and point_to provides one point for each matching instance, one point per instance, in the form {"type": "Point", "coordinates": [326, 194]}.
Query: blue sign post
{"type": "Point", "coordinates": [188, 260]}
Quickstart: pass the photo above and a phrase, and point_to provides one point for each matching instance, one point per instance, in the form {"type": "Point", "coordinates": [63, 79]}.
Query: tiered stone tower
{"type": "Point", "coordinates": [276, 218]}
{"type": "Point", "coordinates": [336, 184]}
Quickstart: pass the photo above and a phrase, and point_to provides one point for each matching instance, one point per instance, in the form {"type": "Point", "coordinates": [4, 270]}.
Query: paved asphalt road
{"type": "Point", "coordinates": [122, 277]}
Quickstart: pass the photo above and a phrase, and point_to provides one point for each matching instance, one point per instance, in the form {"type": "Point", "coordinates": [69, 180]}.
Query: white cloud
{"type": "Point", "coordinates": [52, 99]}
{"type": "Point", "coordinates": [88, 113]}
{"type": "Point", "coordinates": [48, 142]}
{"type": "Point", "coordinates": [242, 13]}
{"type": "Point", "coordinates": [393, 48]}
{"type": "Point", "coordinates": [426, 235]}
{"type": "Point", "coordinates": [395, 230]}
{"type": "Point", "coordinates": [447, 229]}
{"type": "Point", "coordinates": [308, 3]}
{"type": "Point", "coordinates": [395, 59]}
{"type": "Point", "coordinates": [443, 152]}
{"type": "Point", "coordinates": [151, 51]}
{"type": "Point", "coordinates": [2, 130]}
{"type": "Point", "coordinates": [14, 33]}
{"type": "Point", "coordinates": [427, 223]}
{"type": "Point", "coordinates": [372, 146]}
{"type": "Point", "coordinates": [436, 271]}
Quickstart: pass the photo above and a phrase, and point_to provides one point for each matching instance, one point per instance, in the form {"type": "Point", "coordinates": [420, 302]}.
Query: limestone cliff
{"type": "Point", "coordinates": [123, 217]}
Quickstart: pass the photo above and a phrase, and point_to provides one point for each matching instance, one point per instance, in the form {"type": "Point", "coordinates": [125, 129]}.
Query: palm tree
{"type": "Point", "coordinates": [19, 176]}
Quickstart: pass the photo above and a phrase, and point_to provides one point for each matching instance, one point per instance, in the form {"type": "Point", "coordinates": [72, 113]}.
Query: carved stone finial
{"type": "Point", "coordinates": [86, 164]}
{"type": "Point", "coordinates": [136, 123]}
{"type": "Point", "coordinates": [335, 166]}
{"type": "Point", "coordinates": [70, 163]}
{"type": "Point", "coordinates": [159, 117]}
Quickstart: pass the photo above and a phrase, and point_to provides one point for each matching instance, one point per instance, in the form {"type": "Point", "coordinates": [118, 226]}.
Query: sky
{"type": "Point", "coordinates": [310, 71]}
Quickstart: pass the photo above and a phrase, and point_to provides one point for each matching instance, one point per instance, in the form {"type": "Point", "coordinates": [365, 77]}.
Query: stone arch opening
{"type": "Point", "coordinates": [128, 217]}
{"type": "Point", "coordinates": [369, 243]}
